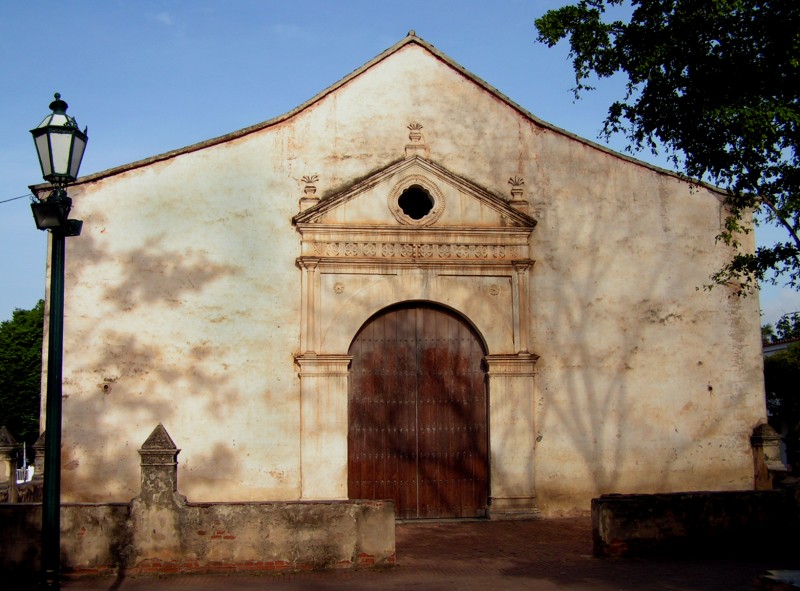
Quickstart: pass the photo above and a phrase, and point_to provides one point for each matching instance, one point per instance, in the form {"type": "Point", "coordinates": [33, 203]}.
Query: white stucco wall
{"type": "Point", "coordinates": [183, 301]}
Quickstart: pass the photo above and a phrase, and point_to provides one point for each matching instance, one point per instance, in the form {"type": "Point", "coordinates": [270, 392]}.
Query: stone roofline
{"type": "Point", "coordinates": [411, 38]}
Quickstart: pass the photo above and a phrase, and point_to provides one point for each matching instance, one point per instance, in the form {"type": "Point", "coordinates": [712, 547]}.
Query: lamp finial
{"type": "Point", "coordinates": [58, 106]}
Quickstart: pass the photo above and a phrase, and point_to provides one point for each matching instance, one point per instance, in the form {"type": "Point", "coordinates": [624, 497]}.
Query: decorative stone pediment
{"type": "Point", "coordinates": [414, 211]}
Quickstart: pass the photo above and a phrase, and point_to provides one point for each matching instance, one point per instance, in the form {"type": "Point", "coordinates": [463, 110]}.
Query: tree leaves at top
{"type": "Point", "coordinates": [787, 327]}
{"type": "Point", "coordinates": [716, 83]}
{"type": "Point", "coordinates": [20, 372]}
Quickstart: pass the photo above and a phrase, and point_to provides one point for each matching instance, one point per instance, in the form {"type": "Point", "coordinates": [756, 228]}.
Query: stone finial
{"type": "Point", "coordinates": [310, 180]}
{"type": "Point", "coordinates": [309, 198]}
{"type": "Point", "coordinates": [159, 462]}
{"type": "Point", "coordinates": [417, 147]}
{"type": "Point", "coordinates": [7, 441]}
{"type": "Point", "coordinates": [159, 440]}
{"type": "Point", "coordinates": [415, 132]}
{"type": "Point", "coordinates": [518, 200]}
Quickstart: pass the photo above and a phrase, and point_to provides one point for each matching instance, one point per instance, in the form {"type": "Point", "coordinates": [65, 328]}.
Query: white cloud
{"type": "Point", "coordinates": [283, 30]}
{"type": "Point", "coordinates": [164, 18]}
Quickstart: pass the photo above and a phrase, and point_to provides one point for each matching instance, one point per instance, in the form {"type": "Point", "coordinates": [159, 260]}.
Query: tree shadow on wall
{"type": "Point", "coordinates": [118, 359]}
{"type": "Point", "coordinates": [609, 412]}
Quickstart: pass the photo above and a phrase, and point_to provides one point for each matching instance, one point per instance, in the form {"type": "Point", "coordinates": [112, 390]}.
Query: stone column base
{"type": "Point", "coordinates": [513, 508]}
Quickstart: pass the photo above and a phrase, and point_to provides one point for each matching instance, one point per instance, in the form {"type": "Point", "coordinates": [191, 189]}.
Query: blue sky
{"type": "Point", "coordinates": [149, 76]}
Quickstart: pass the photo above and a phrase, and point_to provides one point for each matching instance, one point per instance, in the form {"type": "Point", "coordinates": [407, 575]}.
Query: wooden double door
{"type": "Point", "coordinates": [418, 414]}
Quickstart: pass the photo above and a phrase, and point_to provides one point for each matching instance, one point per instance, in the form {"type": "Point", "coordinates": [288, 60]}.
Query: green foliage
{"type": "Point", "coordinates": [781, 377]}
{"type": "Point", "coordinates": [20, 372]}
{"type": "Point", "coordinates": [717, 84]}
{"type": "Point", "coordinates": [788, 327]}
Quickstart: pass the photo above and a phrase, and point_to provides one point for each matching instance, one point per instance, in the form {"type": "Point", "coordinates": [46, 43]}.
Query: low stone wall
{"type": "Point", "coordinates": [160, 532]}
{"type": "Point", "coordinates": [203, 537]}
{"type": "Point", "coordinates": [744, 522]}
{"type": "Point", "coordinates": [90, 534]}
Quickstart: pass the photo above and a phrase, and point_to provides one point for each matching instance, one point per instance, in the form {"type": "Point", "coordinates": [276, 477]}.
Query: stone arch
{"type": "Point", "coordinates": [426, 302]}
{"type": "Point", "coordinates": [346, 319]}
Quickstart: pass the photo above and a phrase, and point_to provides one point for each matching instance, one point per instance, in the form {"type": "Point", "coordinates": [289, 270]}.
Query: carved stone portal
{"type": "Point", "coordinates": [361, 251]}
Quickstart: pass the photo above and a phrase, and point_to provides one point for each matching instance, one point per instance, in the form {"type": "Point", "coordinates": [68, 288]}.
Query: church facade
{"type": "Point", "coordinates": [407, 288]}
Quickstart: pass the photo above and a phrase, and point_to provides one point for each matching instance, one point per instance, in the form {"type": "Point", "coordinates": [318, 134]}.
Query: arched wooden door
{"type": "Point", "coordinates": [418, 414]}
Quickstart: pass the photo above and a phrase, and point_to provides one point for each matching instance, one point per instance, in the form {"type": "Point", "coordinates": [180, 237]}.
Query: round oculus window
{"type": "Point", "coordinates": [416, 202]}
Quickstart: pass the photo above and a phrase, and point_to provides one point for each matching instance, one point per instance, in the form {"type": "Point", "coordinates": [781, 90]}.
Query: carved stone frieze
{"type": "Point", "coordinates": [406, 250]}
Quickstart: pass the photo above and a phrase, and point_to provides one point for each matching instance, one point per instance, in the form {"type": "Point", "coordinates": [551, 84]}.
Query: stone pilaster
{"type": "Point", "coordinates": [323, 431]}
{"type": "Point", "coordinates": [309, 334]}
{"type": "Point", "coordinates": [512, 432]}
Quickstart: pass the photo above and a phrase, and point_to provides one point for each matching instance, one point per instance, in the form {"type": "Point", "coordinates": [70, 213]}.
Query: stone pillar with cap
{"type": "Point", "coordinates": [769, 468]}
{"type": "Point", "coordinates": [159, 464]}
{"type": "Point", "coordinates": [8, 463]}
{"type": "Point", "coordinates": [155, 513]}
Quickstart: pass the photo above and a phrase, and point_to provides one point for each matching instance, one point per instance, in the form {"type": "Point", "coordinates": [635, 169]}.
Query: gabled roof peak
{"type": "Point", "coordinates": [411, 38]}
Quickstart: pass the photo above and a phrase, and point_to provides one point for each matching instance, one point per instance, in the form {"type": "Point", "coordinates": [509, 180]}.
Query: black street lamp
{"type": "Point", "coordinates": [60, 145]}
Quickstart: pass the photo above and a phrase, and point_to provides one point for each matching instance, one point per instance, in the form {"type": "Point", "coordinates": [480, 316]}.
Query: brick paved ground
{"type": "Point", "coordinates": [486, 556]}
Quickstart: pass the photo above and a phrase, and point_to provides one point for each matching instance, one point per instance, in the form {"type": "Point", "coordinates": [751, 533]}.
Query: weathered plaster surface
{"type": "Point", "coordinates": [186, 303]}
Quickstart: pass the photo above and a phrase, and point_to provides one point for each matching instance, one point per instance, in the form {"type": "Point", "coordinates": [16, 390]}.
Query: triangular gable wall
{"type": "Point", "coordinates": [408, 40]}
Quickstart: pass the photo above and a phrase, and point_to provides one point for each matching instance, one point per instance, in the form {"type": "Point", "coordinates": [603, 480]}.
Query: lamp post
{"type": "Point", "coordinates": [60, 146]}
